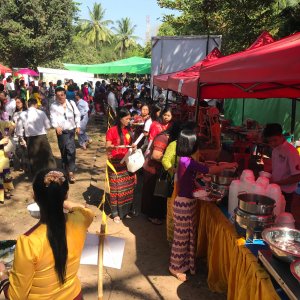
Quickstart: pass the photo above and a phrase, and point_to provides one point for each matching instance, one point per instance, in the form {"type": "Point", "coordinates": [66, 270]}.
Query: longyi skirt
{"type": "Point", "coordinates": [183, 246]}
{"type": "Point", "coordinates": [121, 189]}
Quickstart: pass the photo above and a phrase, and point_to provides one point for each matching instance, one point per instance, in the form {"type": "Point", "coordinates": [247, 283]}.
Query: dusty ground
{"type": "Point", "coordinates": [144, 273]}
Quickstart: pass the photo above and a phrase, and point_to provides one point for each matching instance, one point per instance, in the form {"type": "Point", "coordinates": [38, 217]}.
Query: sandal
{"type": "Point", "coordinates": [179, 276]}
{"type": "Point", "coordinates": [72, 178]}
{"type": "Point", "coordinates": [117, 220]}
{"type": "Point", "coordinates": [7, 195]}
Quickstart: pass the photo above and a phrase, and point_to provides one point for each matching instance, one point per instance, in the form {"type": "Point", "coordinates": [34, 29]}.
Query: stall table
{"type": "Point", "coordinates": [232, 268]}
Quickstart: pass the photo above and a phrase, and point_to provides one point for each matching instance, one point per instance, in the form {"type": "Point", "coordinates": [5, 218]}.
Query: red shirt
{"type": "Point", "coordinates": [157, 128]}
{"type": "Point", "coordinates": [112, 136]}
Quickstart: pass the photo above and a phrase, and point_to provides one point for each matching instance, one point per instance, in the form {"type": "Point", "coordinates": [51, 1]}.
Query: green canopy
{"type": "Point", "coordinates": [135, 65]}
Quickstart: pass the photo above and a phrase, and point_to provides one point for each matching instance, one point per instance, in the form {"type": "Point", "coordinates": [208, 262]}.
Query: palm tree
{"type": "Point", "coordinates": [124, 35]}
{"type": "Point", "coordinates": [95, 30]}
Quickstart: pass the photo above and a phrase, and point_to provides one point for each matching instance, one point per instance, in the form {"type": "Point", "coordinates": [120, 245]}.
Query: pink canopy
{"type": "Point", "coordinates": [27, 71]}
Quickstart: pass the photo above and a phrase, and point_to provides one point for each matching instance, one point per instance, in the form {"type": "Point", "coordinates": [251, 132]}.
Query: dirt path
{"type": "Point", "coordinates": [144, 273]}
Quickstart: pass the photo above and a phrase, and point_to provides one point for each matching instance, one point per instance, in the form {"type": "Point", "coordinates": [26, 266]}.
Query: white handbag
{"type": "Point", "coordinates": [134, 160]}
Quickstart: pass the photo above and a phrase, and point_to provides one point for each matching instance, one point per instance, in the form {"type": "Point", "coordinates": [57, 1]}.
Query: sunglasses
{"type": "Point", "coordinates": [65, 116]}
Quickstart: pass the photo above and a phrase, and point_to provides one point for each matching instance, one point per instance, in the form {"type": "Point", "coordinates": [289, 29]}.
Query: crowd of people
{"type": "Point", "coordinates": [47, 257]}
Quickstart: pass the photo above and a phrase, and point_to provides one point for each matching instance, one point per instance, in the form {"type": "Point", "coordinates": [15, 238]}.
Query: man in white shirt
{"type": "Point", "coordinates": [9, 86]}
{"type": "Point", "coordinates": [65, 118]}
{"type": "Point", "coordinates": [34, 124]}
{"type": "Point", "coordinates": [285, 166]}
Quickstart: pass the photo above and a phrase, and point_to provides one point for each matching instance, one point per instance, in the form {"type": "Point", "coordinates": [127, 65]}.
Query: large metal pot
{"type": "Point", "coordinates": [225, 177]}
{"type": "Point", "coordinates": [247, 221]}
{"type": "Point", "coordinates": [256, 204]}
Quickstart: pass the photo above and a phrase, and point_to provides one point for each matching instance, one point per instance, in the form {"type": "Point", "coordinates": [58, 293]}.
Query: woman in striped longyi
{"type": "Point", "coordinates": [121, 182]}
{"type": "Point", "coordinates": [183, 247]}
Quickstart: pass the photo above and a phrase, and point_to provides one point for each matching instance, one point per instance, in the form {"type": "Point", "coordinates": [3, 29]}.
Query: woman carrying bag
{"type": "Point", "coordinates": [121, 182]}
{"type": "Point", "coordinates": [152, 205]}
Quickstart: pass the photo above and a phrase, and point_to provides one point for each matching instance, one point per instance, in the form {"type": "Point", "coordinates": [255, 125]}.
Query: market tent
{"type": "Point", "coordinates": [186, 82]}
{"type": "Point", "coordinates": [161, 80]}
{"type": "Point", "coordinates": [271, 71]}
{"type": "Point", "coordinates": [135, 65]}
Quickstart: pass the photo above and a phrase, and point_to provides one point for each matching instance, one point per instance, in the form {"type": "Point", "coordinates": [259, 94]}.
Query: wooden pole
{"type": "Point", "coordinates": [100, 260]}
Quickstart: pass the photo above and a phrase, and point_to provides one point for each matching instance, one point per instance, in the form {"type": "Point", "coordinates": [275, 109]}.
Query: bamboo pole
{"type": "Point", "coordinates": [100, 260]}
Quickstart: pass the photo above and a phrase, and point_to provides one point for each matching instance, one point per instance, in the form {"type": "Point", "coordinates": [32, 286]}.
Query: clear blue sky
{"type": "Point", "coordinates": [136, 10]}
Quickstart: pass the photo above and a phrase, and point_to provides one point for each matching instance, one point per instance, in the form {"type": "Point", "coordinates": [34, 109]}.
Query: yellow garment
{"type": "Point", "coordinates": [168, 162]}
{"type": "Point", "coordinates": [38, 98]}
{"type": "Point", "coordinates": [33, 276]}
{"type": "Point", "coordinates": [170, 216]}
{"type": "Point", "coordinates": [231, 266]}
{"type": "Point", "coordinates": [5, 177]}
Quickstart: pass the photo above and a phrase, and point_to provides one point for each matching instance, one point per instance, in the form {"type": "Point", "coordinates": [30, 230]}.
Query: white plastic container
{"type": "Point", "coordinates": [234, 190]}
{"type": "Point", "coordinates": [274, 192]}
{"type": "Point", "coordinates": [259, 189]}
{"type": "Point", "coordinates": [264, 181]}
{"type": "Point", "coordinates": [247, 185]}
{"type": "Point", "coordinates": [285, 219]}
{"type": "Point", "coordinates": [247, 175]}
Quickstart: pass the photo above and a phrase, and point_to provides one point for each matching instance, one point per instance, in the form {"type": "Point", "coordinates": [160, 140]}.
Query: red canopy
{"type": "Point", "coordinates": [161, 80]}
{"type": "Point", "coordinates": [186, 82]}
{"type": "Point", "coordinates": [261, 72]}
{"type": "Point", "coordinates": [4, 69]}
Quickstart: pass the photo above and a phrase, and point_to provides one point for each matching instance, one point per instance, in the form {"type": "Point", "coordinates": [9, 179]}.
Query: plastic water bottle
{"type": "Point", "coordinates": [274, 192]}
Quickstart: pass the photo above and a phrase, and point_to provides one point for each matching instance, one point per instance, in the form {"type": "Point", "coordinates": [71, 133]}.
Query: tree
{"type": "Point", "coordinates": [238, 21]}
{"type": "Point", "coordinates": [95, 30]}
{"type": "Point", "coordinates": [34, 32]}
{"type": "Point", "coordinates": [124, 35]}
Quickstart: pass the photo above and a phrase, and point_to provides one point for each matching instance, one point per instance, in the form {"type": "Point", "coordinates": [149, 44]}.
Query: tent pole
{"type": "Point", "coordinates": [293, 116]}
{"type": "Point", "coordinates": [167, 100]}
{"type": "Point", "coordinates": [198, 100]}
{"type": "Point", "coordinates": [243, 111]}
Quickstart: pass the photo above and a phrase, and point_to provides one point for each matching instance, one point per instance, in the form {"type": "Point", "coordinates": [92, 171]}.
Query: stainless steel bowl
{"type": "Point", "coordinates": [284, 242]}
{"type": "Point", "coordinates": [225, 177]}
{"type": "Point", "coordinates": [256, 204]}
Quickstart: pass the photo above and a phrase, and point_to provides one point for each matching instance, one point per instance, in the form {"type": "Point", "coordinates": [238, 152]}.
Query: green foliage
{"type": "Point", "coordinates": [166, 29]}
{"type": "Point", "coordinates": [147, 50]}
{"type": "Point", "coordinates": [95, 30]}
{"type": "Point", "coordinates": [124, 35]}
{"type": "Point", "coordinates": [35, 32]}
{"type": "Point", "coordinates": [239, 21]}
